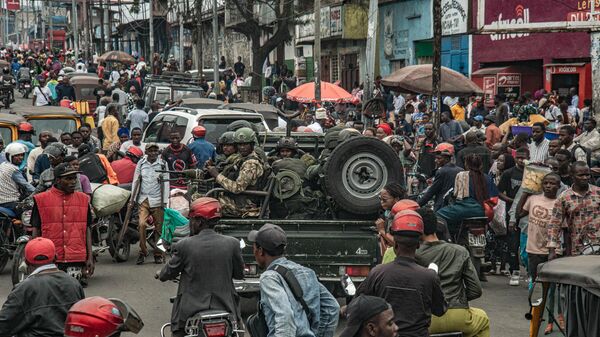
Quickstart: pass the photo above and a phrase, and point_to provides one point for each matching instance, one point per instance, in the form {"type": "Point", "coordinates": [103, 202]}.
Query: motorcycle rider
{"type": "Point", "coordinates": [203, 150]}
{"type": "Point", "coordinates": [207, 262]}
{"type": "Point", "coordinates": [63, 215]}
{"type": "Point", "coordinates": [7, 82]}
{"type": "Point", "coordinates": [100, 317]}
{"type": "Point", "coordinates": [25, 133]}
{"type": "Point", "coordinates": [38, 306]}
{"type": "Point", "coordinates": [13, 182]}
{"type": "Point", "coordinates": [444, 177]}
{"type": "Point", "coordinates": [125, 167]}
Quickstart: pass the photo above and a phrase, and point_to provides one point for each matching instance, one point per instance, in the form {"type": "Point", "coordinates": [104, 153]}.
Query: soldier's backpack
{"type": "Point", "coordinates": [91, 165]}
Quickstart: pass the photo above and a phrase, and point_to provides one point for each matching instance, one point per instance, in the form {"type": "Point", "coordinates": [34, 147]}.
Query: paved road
{"type": "Point", "coordinates": [505, 305]}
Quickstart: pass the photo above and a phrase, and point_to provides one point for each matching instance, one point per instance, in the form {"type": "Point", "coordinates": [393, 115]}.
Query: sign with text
{"type": "Point", "coordinates": [489, 90]}
{"type": "Point", "coordinates": [336, 20]}
{"type": "Point", "coordinates": [13, 5]}
{"type": "Point", "coordinates": [509, 80]}
{"type": "Point", "coordinates": [454, 16]}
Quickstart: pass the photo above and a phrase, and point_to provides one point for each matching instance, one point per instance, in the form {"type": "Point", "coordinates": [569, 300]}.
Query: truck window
{"type": "Point", "coordinates": [57, 126]}
{"type": "Point", "coordinates": [162, 95]}
{"type": "Point", "coordinates": [6, 134]}
{"type": "Point", "coordinates": [183, 94]}
{"type": "Point", "coordinates": [161, 127]}
{"type": "Point", "coordinates": [216, 127]}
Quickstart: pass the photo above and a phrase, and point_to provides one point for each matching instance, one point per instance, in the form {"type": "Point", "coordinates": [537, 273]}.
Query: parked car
{"type": "Point", "coordinates": [171, 87]}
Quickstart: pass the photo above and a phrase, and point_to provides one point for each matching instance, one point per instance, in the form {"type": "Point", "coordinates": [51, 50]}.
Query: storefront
{"type": "Point", "coordinates": [551, 61]}
{"type": "Point", "coordinates": [512, 81]}
{"type": "Point", "coordinates": [563, 76]}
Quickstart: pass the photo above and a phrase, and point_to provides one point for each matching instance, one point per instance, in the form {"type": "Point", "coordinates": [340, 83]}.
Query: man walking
{"type": "Point", "coordinates": [459, 281]}
{"type": "Point", "coordinates": [151, 198]}
{"type": "Point", "coordinates": [314, 313]}
{"type": "Point", "coordinates": [38, 306]}
{"type": "Point", "coordinates": [413, 291]}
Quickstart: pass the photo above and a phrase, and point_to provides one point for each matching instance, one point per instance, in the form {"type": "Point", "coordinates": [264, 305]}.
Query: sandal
{"type": "Point", "coordinates": [548, 329]}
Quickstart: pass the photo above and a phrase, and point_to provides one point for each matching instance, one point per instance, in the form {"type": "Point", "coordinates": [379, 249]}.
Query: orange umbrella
{"type": "Point", "coordinates": [329, 93]}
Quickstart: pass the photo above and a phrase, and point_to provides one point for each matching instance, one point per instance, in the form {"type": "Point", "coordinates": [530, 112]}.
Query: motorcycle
{"type": "Point", "coordinates": [6, 95]}
{"type": "Point", "coordinates": [12, 228]}
{"type": "Point", "coordinates": [472, 235]}
{"type": "Point", "coordinates": [25, 87]}
{"type": "Point", "coordinates": [206, 323]}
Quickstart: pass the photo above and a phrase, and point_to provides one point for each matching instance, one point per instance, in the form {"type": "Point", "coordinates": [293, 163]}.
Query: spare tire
{"type": "Point", "coordinates": [357, 170]}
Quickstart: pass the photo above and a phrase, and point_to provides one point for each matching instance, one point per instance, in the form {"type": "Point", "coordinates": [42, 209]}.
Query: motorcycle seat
{"type": "Point", "coordinates": [8, 212]}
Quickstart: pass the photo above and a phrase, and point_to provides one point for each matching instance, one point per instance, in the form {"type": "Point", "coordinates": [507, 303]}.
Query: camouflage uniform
{"type": "Point", "coordinates": [251, 169]}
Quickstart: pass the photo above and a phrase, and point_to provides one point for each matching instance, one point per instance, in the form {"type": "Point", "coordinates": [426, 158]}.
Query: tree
{"type": "Point", "coordinates": [254, 28]}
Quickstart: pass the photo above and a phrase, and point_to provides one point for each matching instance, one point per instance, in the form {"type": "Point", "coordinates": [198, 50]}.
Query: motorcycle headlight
{"type": "Point", "coordinates": [26, 218]}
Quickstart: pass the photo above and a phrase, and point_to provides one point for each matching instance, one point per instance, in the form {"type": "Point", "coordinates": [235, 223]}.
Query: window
{"type": "Point", "coordinates": [182, 94]}
{"type": "Point", "coordinates": [57, 126]}
{"type": "Point", "coordinates": [216, 127]}
{"type": "Point", "coordinates": [162, 95]}
{"type": "Point", "coordinates": [6, 134]}
{"type": "Point", "coordinates": [161, 127]}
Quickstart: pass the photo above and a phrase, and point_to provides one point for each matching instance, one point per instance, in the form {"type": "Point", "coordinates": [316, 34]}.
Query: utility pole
{"type": "Point", "coordinates": [215, 47]}
{"type": "Point", "coordinates": [436, 85]}
{"type": "Point", "coordinates": [107, 30]}
{"type": "Point", "coordinates": [6, 22]}
{"type": "Point", "coordinates": [181, 21]}
{"type": "Point", "coordinates": [151, 21]}
{"type": "Point", "coordinates": [595, 62]}
{"type": "Point", "coordinates": [371, 48]}
{"type": "Point", "coordinates": [199, 61]}
{"type": "Point", "coordinates": [75, 30]}
{"type": "Point", "coordinates": [317, 51]}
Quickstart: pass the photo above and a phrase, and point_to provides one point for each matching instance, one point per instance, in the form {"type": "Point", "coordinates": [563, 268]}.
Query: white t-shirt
{"type": "Point", "coordinates": [316, 127]}
{"type": "Point", "coordinates": [138, 118]}
{"type": "Point", "coordinates": [42, 96]}
{"type": "Point", "coordinates": [114, 77]}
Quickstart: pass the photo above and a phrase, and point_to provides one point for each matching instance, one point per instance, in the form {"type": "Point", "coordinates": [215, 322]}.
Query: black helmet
{"type": "Point", "coordinates": [287, 143]}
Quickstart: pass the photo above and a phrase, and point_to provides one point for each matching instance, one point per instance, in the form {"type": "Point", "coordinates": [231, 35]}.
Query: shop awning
{"type": "Point", "coordinates": [581, 64]}
{"type": "Point", "coordinates": [489, 71]}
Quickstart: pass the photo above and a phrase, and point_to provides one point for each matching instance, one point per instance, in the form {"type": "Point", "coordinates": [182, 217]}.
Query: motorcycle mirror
{"type": "Point", "coordinates": [433, 267]}
{"type": "Point", "coordinates": [348, 285]}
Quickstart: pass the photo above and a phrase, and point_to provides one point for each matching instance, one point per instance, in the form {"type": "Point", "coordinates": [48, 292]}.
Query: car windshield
{"type": "Point", "coordinates": [187, 93]}
{"type": "Point", "coordinates": [216, 127]}
{"type": "Point", "coordinates": [55, 125]}
{"type": "Point", "coordinates": [161, 127]}
{"type": "Point", "coordinates": [6, 134]}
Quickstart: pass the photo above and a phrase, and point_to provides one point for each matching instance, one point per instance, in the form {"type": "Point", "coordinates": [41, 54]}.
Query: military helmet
{"type": "Point", "coordinates": [244, 136]}
{"type": "Point", "coordinates": [235, 125]}
{"type": "Point", "coordinates": [287, 143]}
{"type": "Point", "coordinates": [227, 138]}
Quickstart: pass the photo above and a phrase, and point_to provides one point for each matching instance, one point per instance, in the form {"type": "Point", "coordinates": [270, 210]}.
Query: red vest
{"type": "Point", "coordinates": [64, 221]}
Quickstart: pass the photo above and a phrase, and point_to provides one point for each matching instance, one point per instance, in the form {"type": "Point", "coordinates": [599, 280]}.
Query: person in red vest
{"type": "Point", "coordinates": [125, 167]}
{"type": "Point", "coordinates": [63, 215]}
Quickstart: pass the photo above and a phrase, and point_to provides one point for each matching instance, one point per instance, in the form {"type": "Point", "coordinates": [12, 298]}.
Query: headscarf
{"type": "Point", "coordinates": [386, 128]}
{"type": "Point", "coordinates": [122, 131]}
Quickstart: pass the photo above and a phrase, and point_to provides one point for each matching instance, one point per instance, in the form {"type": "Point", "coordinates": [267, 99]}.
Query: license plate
{"type": "Point", "coordinates": [477, 240]}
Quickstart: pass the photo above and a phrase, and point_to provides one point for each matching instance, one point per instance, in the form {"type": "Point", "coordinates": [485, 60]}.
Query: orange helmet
{"type": "Point", "coordinates": [445, 149]}
{"type": "Point", "coordinates": [407, 223]}
{"type": "Point", "coordinates": [207, 208]}
{"type": "Point", "coordinates": [25, 127]}
{"type": "Point", "coordinates": [403, 205]}
{"type": "Point", "coordinates": [199, 131]}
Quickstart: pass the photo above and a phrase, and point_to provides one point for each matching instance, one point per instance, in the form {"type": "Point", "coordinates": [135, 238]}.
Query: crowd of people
{"type": "Point", "coordinates": [424, 282]}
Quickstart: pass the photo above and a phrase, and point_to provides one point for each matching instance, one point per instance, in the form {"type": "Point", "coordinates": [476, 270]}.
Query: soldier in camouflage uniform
{"type": "Point", "coordinates": [227, 153]}
{"type": "Point", "coordinates": [248, 171]}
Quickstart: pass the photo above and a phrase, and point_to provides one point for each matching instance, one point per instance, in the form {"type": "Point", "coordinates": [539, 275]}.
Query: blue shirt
{"type": "Point", "coordinates": [285, 317]}
{"type": "Point", "coordinates": [203, 151]}
{"type": "Point", "coordinates": [30, 147]}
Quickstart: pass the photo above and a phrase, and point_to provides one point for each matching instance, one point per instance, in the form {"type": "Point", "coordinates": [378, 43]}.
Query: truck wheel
{"type": "Point", "coordinates": [357, 170]}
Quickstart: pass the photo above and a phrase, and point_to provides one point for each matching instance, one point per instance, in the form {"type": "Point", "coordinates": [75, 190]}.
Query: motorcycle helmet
{"type": "Point", "coordinates": [100, 317]}
{"type": "Point", "coordinates": [199, 131]}
{"type": "Point", "coordinates": [14, 149]}
{"type": "Point", "coordinates": [25, 127]}
{"type": "Point", "coordinates": [244, 136]}
{"type": "Point", "coordinates": [403, 205]}
{"type": "Point", "coordinates": [407, 223]}
{"type": "Point", "coordinates": [207, 208]}
{"type": "Point", "coordinates": [134, 151]}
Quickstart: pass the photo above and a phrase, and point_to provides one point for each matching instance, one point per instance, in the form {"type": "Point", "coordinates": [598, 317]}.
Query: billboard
{"type": "Point", "coordinates": [454, 16]}
{"type": "Point", "coordinates": [13, 5]}
{"type": "Point", "coordinates": [524, 46]}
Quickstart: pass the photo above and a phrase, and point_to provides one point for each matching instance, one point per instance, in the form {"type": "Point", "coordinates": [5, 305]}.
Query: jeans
{"type": "Point", "coordinates": [534, 261]}
{"type": "Point", "coordinates": [513, 239]}
{"type": "Point", "coordinates": [472, 322]}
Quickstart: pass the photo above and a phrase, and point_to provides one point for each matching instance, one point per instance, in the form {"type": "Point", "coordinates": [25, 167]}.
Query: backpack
{"type": "Point", "coordinates": [93, 168]}
{"type": "Point", "coordinates": [588, 154]}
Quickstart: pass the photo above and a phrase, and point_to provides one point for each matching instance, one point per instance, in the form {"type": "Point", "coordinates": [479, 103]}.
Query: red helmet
{"type": "Point", "coordinates": [207, 208]}
{"type": "Point", "coordinates": [403, 205]}
{"type": "Point", "coordinates": [445, 148]}
{"type": "Point", "coordinates": [25, 127]}
{"type": "Point", "coordinates": [199, 131]}
{"type": "Point", "coordinates": [407, 223]}
{"type": "Point", "coordinates": [135, 151]}
{"type": "Point", "coordinates": [93, 317]}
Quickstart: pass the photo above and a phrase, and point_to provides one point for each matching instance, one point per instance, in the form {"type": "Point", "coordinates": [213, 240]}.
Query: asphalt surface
{"type": "Point", "coordinates": [505, 305]}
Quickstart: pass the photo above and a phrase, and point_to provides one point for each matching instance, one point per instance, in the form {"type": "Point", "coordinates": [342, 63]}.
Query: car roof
{"type": "Point", "coordinates": [199, 113]}
{"type": "Point", "coordinates": [267, 110]}
{"type": "Point", "coordinates": [11, 118]}
{"type": "Point", "coordinates": [85, 79]}
{"type": "Point", "coordinates": [43, 111]}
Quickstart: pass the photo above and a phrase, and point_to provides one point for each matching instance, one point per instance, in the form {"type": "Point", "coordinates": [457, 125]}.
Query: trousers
{"type": "Point", "coordinates": [158, 215]}
{"type": "Point", "coordinates": [472, 322]}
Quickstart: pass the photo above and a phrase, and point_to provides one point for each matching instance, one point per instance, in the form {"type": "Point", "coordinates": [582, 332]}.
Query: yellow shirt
{"type": "Point", "coordinates": [458, 112]}
{"type": "Point", "coordinates": [110, 126]}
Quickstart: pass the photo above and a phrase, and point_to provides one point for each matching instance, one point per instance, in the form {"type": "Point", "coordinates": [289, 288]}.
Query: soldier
{"type": "Point", "coordinates": [226, 150]}
{"type": "Point", "coordinates": [249, 169]}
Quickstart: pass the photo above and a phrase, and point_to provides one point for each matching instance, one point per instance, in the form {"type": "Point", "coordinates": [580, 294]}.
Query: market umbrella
{"type": "Point", "coordinates": [117, 56]}
{"type": "Point", "coordinates": [417, 79]}
{"type": "Point", "coordinates": [329, 93]}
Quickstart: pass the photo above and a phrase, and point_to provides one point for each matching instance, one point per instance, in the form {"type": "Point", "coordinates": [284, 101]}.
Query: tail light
{"type": "Point", "coordinates": [477, 231]}
{"type": "Point", "coordinates": [250, 269]}
{"type": "Point", "coordinates": [215, 329]}
{"type": "Point", "coordinates": [355, 271]}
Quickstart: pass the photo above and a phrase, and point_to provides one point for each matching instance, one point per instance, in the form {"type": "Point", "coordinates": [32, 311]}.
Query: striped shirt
{"type": "Point", "coordinates": [539, 152]}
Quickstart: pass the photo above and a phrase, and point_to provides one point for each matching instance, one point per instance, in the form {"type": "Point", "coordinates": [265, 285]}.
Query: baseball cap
{"type": "Point", "coordinates": [444, 148]}
{"type": "Point", "coordinates": [478, 118]}
{"type": "Point", "coordinates": [63, 170]}
{"type": "Point", "coordinates": [269, 236]}
{"type": "Point", "coordinates": [407, 223]}
{"type": "Point", "coordinates": [150, 145]}
{"type": "Point", "coordinates": [39, 251]}
{"type": "Point", "coordinates": [360, 310]}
